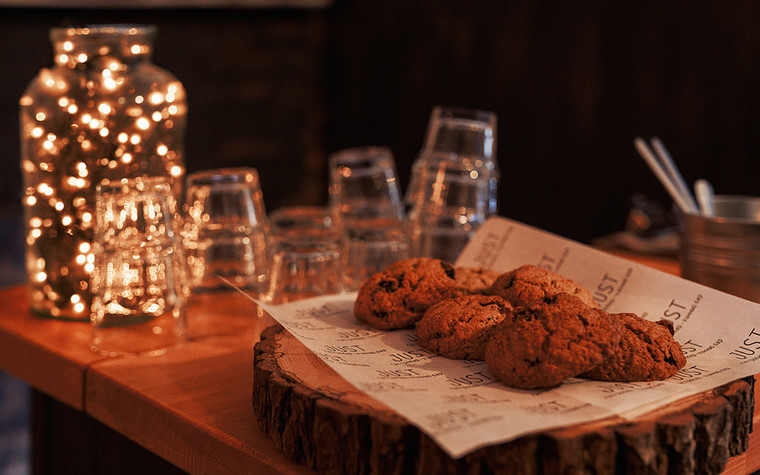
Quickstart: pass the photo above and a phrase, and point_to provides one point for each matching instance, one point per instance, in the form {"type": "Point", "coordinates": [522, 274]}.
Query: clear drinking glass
{"type": "Point", "coordinates": [368, 210]}
{"type": "Point", "coordinates": [363, 185]}
{"type": "Point", "coordinates": [306, 256]}
{"type": "Point", "coordinates": [369, 246]}
{"type": "Point", "coordinates": [225, 229]}
{"type": "Point", "coordinates": [463, 136]}
{"type": "Point", "coordinates": [452, 202]}
{"type": "Point", "coordinates": [139, 279]}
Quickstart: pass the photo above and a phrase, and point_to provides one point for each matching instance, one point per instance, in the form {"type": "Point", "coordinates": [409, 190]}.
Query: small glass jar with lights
{"type": "Point", "coordinates": [101, 113]}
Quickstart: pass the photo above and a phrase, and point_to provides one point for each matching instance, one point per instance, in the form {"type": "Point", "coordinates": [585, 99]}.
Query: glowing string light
{"type": "Point", "coordinates": [85, 120]}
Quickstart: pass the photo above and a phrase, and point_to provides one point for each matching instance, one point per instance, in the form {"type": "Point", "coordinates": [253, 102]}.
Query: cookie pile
{"type": "Point", "coordinates": [534, 328]}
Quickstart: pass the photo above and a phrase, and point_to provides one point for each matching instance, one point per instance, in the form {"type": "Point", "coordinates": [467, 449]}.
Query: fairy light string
{"type": "Point", "coordinates": [103, 112]}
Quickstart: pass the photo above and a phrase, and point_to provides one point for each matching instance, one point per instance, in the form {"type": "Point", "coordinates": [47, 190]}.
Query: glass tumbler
{"type": "Point", "coordinates": [452, 203]}
{"type": "Point", "coordinates": [306, 257]}
{"type": "Point", "coordinates": [139, 274]}
{"type": "Point", "coordinates": [466, 137]}
{"type": "Point", "coordinates": [368, 246]}
{"type": "Point", "coordinates": [363, 185]}
{"type": "Point", "coordinates": [368, 210]}
{"type": "Point", "coordinates": [225, 229]}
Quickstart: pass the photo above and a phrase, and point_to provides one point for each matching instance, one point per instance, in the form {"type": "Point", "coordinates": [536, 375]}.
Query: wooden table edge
{"type": "Point", "coordinates": [196, 444]}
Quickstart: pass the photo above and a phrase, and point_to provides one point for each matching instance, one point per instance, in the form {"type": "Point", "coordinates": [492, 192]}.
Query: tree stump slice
{"type": "Point", "coordinates": [316, 417]}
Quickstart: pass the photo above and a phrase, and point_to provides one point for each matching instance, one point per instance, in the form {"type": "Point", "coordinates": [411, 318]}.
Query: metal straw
{"type": "Point", "coordinates": [705, 194]}
{"type": "Point", "coordinates": [666, 171]}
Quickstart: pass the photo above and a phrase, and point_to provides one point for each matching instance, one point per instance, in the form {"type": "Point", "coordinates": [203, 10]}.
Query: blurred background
{"type": "Point", "coordinates": [279, 85]}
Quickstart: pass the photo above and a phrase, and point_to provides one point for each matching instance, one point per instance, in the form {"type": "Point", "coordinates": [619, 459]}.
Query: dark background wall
{"type": "Point", "coordinates": [572, 83]}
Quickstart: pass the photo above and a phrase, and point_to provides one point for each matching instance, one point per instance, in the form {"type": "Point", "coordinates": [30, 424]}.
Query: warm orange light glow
{"type": "Point", "coordinates": [77, 130]}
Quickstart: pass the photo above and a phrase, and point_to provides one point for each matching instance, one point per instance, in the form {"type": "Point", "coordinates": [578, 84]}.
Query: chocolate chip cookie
{"type": "Point", "coordinates": [474, 280]}
{"type": "Point", "coordinates": [647, 352]}
{"type": "Point", "coordinates": [398, 296]}
{"type": "Point", "coordinates": [459, 327]}
{"type": "Point", "coordinates": [528, 283]}
{"type": "Point", "coordinates": [545, 342]}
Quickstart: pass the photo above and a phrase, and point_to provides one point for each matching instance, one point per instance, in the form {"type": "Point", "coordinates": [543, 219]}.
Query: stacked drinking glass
{"type": "Point", "coordinates": [454, 179]}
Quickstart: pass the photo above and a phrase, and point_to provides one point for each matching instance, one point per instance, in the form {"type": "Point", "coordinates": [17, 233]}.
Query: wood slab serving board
{"type": "Point", "coordinates": [317, 418]}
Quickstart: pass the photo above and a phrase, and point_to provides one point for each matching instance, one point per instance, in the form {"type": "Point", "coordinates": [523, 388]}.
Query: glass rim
{"type": "Point", "coordinates": [158, 184]}
{"type": "Point", "coordinates": [306, 210]}
{"type": "Point", "coordinates": [209, 177]}
{"type": "Point", "coordinates": [466, 113]}
{"type": "Point", "coordinates": [730, 210]}
{"type": "Point", "coordinates": [299, 223]}
{"type": "Point", "coordinates": [360, 153]}
{"type": "Point", "coordinates": [443, 164]}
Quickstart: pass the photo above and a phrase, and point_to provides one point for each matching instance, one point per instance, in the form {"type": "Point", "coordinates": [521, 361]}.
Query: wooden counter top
{"type": "Point", "coordinates": [191, 406]}
{"type": "Point", "coordinates": [50, 355]}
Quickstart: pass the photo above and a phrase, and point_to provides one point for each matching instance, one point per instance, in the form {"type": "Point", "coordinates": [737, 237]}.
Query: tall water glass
{"type": "Point", "coordinates": [464, 136]}
{"type": "Point", "coordinates": [225, 229]}
{"type": "Point", "coordinates": [306, 257]}
{"type": "Point", "coordinates": [452, 203]}
{"type": "Point", "coordinates": [139, 275]}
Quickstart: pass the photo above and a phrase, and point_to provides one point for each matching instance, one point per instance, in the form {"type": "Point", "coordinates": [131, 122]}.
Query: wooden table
{"type": "Point", "coordinates": [190, 407]}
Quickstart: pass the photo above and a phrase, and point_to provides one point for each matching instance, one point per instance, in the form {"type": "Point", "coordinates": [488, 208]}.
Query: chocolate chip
{"type": "Point", "coordinates": [448, 269]}
{"type": "Point", "coordinates": [380, 314]}
{"type": "Point", "coordinates": [388, 285]}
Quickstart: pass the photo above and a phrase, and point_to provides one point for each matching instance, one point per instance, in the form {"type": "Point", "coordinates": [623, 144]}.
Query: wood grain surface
{"type": "Point", "coordinates": [191, 406]}
{"type": "Point", "coordinates": [316, 417]}
{"type": "Point", "coordinates": [51, 355]}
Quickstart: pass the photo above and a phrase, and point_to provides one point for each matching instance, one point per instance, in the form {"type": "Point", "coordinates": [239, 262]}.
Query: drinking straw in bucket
{"type": "Point", "coordinates": [705, 196]}
{"type": "Point", "coordinates": [666, 171]}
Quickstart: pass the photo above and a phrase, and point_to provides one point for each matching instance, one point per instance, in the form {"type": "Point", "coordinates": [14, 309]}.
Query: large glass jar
{"type": "Point", "coordinates": [103, 112]}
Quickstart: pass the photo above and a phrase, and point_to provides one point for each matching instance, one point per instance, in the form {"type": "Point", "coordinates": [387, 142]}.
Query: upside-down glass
{"type": "Point", "coordinates": [363, 185]}
{"type": "Point", "coordinates": [452, 203]}
{"type": "Point", "coordinates": [139, 274]}
{"type": "Point", "coordinates": [367, 208]}
{"type": "Point", "coordinates": [306, 258]}
{"type": "Point", "coordinates": [225, 229]}
{"type": "Point", "coordinates": [369, 246]}
{"type": "Point", "coordinates": [464, 136]}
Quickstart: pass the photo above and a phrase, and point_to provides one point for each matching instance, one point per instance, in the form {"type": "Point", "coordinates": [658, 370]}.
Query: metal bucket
{"type": "Point", "coordinates": [723, 252]}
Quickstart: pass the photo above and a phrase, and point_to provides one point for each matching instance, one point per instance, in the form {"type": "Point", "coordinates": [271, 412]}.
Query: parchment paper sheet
{"type": "Point", "coordinates": [461, 406]}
